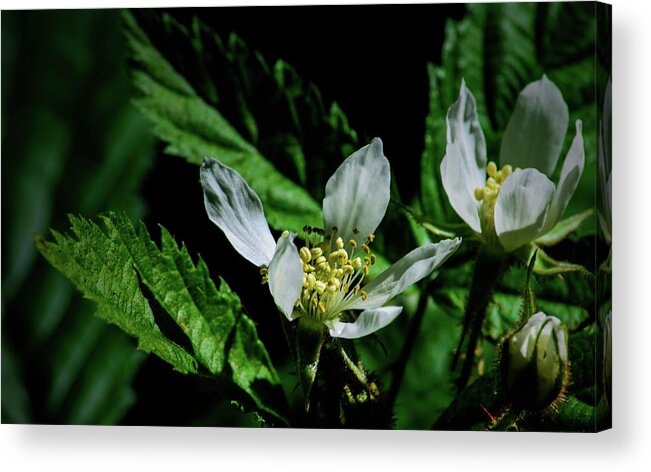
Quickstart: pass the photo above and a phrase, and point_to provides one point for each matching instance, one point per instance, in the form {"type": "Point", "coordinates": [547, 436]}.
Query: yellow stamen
{"type": "Point", "coordinates": [305, 254]}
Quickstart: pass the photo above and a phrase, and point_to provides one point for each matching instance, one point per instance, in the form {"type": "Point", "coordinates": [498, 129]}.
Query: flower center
{"type": "Point", "coordinates": [487, 195]}
{"type": "Point", "coordinates": [332, 276]}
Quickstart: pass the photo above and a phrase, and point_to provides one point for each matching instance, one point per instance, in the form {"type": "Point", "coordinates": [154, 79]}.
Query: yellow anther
{"type": "Point", "coordinates": [285, 234]}
{"type": "Point", "coordinates": [353, 243]}
{"type": "Point", "coordinates": [491, 169]}
{"type": "Point", "coordinates": [356, 289]}
{"type": "Point", "coordinates": [321, 263]}
{"type": "Point", "coordinates": [491, 183]}
{"type": "Point", "coordinates": [265, 279]}
{"type": "Point", "coordinates": [363, 295]}
{"type": "Point", "coordinates": [366, 249]}
{"type": "Point", "coordinates": [333, 285]}
{"type": "Point", "coordinates": [316, 252]}
{"type": "Point", "coordinates": [371, 238]}
{"type": "Point", "coordinates": [499, 177]}
{"type": "Point", "coordinates": [264, 271]}
{"type": "Point", "coordinates": [367, 261]}
{"type": "Point", "coordinates": [365, 270]}
{"type": "Point", "coordinates": [322, 308]}
{"type": "Point", "coordinates": [298, 302]}
{"type": "Point", "coordinates": [348, 269]}
{"type": "Point", "coordinates": [356, 263]}
{"type": "Point", "coordinates": [305, 254]}
{"type": "Point", "coordinates": [333, 257]}
{"type": "Point", "coordinates": [479, 193]}
{"type": "Point", "coordinates": [339, 242]}
{"type": "Point", "coordinates": [320, 287]}
{"type": "Point", "coordinates": [305, 280]}
{"type": "Point", "coordinates": [339, 273]}
{"type": "Point", "coordinates": [507, 170]}
{"type": "Point", "coordinates": [342, 256]}
{"type": "Point", "coordinates": [346, 288]}
{"type": "Point", "coordinates": [314, 302]}
{"type": "Point", "coordinates": [373, 259]}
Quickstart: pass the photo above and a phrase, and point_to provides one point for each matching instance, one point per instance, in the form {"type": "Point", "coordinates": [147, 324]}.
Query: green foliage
{"type": "Point", "coordinates": [194, 129]}
{"type": "Point", "coordinates": [108, 265]}
{"type": "Point", "coordinates": [79, 147]}
{"type": "Point", "coordinates": [292, 126]}
{"type": "Point", "coordinates": [498, 49]}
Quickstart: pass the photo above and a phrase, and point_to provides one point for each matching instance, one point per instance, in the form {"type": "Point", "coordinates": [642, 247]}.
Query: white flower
{"type": "Point", "coordinates": [512, 206]}
{"type": "Point", "coordinates": [326, 277]}
{"type": "Point", "coordinates": [534, 361]}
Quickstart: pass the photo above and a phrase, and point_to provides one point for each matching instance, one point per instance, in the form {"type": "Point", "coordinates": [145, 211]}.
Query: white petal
{"type": "Point", "coordinates": [357, 194]}
{"type": "Point", "coordinates": [463, 128]}
{"type": "Point", "coordinates": [286, 275]}
{"type": "Point", "coordinates": [416, 265]}
{"type": "Point", "coordinates": [534, 135]}
{"type": "Point", "coordinates": [236, 209]}
{"type": "Point", "coordinates": [460, 182]}
{"type": "Point", "coordinates": [521, 207]}
{"type": "Point", "coordinates": [368, 322]}
{"type": "Point", "coordinates": [569, 180]}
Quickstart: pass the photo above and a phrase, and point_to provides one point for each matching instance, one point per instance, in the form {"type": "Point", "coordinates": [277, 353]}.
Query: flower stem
{"type": "Point", "coordinates": [488, 268]}
{"type": "Point", "coordinates": [508, 420]}
{"type": "Point", "coordinates": [359, 373]}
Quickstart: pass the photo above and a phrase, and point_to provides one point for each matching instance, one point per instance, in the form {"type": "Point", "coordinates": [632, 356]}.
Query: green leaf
{"type": "Point", "coordinates": [102, 269]}
{"type": "Point", "coordinates": [547, 265]}
{"type": "Point", "coordinates": [564, 228]}
{"type": "Point", "coordinates": [293, 127]}
{"type": "Point", "coordinates": [195, 129]}
{"type": "Point", "coordinates": [108, 265]}
{"type": "Point", "coordinates": [54, 162]}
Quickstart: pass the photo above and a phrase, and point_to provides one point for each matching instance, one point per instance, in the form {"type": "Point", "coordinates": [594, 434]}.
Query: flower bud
{"type": "Point", "coordinates": [534, 362]}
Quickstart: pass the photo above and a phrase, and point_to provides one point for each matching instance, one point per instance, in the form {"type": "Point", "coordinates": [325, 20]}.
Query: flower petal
{"type": "Point", "coordinates": [569, 180]}
{"type": "Point", "coordinates": [236, 209]}
{"type": "Point", "coordinates": [534, 135]}
{"type": "Point", "coordinates": [357, 194]}
{"type": "Point", "coordinates": [368, 322]}
{"type": "Point", "coordinates": [460, 182]}
{"type": "Point", "coordinates": [286, 275]}
{"type": "Point", "coordinates": [416, 265]}
{"type": "Point", "coordinates": [521, 207]}
{"type": "Point", "coordinates": [463, 128]}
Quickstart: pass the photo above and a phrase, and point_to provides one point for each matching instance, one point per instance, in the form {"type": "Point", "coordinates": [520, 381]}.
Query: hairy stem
{"type": "Point", "coordinates": [488, 268]}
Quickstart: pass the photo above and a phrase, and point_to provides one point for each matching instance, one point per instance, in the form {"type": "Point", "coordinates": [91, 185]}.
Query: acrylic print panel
{"type": "Point", "coordinates": [320, 216]}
